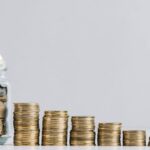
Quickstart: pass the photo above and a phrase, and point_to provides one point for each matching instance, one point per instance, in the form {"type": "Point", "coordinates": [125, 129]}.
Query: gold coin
{"type": "Point", "coordinates": [82, 118]}
{"type": "Point", "coordinates": [20, 128]}
{"type": "Point", "coordinates": [110, 124]}
{"type": "Point", "coordinates": [109, 144]}
{"type": "Point", "coordinates": [134, 132]}
{"type": "Point", "coordinates": [134, 144]}
{"type": "Point", "coordinates": [56, 113]}
{"type": "Point", "coordinates": [19, 107]}
{"type": "Point", "coordinates": [82, 143]}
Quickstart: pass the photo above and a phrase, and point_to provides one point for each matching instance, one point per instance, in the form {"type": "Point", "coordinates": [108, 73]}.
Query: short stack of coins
{"type": "Point", "coordinates": [3, 101]}
{"type": "Point", "coordinates": [134, 138]}
{"type": "Point", "coordinates": [26, 124]}
{"type": "Point", "coordinates": [82, 133]}
{"type": "Point", "coordinates": [109, 134]}
{"type": "Point", "coordinates": [55, 126]}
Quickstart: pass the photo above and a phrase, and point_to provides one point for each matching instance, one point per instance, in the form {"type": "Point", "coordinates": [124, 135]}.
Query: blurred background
{"type": "Point", "coordinates": [90, 57]}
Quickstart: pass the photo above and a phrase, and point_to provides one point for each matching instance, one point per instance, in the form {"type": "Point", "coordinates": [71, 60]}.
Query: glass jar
{"type": "Point", "coordinates": [5, 106]}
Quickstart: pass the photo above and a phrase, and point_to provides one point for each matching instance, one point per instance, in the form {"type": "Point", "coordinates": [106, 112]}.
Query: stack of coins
{"type": "Point", "coordinates": [109, 134]}
{"type": "Point", "coordinates": [134, 138]}
{"type": "Point", "coordinates": [55, 126]}
{"type": "Point", "coordinates": [149, 142]}
{"type": "Point", "coordinates": [26, 124]}
{"type": "Point", "coordinates": [82, 133]}
{"type": "Point", "coordinates": [3, 101]}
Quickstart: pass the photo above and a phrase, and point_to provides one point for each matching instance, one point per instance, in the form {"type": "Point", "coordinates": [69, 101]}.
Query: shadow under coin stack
{"type": "Point", "coordinates": [109, 134]}
{"type": "Point", "coordinates": [26, 124]}
{"type": "Point", "coordinates": [82, 133]}
{"type": "Point", "coordinates": [134, 138]}
{"type": "Point", "coordinates": [2, 115]}
{"type": "Point", "coordinates": [55, 126]}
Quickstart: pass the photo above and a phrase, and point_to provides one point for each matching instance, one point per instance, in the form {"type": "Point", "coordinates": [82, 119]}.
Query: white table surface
{"type": "Point", "coordinates": [70, 148]}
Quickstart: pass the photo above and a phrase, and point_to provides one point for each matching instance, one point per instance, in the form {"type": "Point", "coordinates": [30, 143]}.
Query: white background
{"type": "Point", "coordinates": [90, 57]}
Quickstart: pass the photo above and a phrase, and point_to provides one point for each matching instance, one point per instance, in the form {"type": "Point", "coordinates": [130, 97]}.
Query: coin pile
{"type": "Point", "coordinates": [55, 126]}
{"type": "Point", "coordinates": [26, 124]}
{"type": "Point", "coordinates": [2, 115]}
{"type": "Point", "coordinates": [134, 138]}
{"type": "Point", "coordinates": [82, 133]}
{"type": "Point", "coordinates": [109, 134]}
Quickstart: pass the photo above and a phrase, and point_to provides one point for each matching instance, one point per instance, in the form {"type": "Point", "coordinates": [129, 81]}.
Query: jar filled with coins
{"type": "Point", "coordinates": [5, 106]}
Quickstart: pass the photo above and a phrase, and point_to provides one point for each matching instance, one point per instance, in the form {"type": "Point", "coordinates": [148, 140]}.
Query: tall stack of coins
{"type": "Point", "coordinates": [109, 134]}
{"type": "Point", "coordinates": [3, 101]}
{"type": "Point", "coordinates": [26, 124]}
{"type": "Point", "coordinates": [55, 125]}
{"type": "Point", "coordinates": [134, 138]}
{"type": "Point", "coordinates": [82, 133]}
{"type": "Point", "coordinates": [149, 142]}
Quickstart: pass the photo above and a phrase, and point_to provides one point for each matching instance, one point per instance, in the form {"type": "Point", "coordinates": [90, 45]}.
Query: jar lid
{"type": "Point", "coordinates": [2, 63]}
